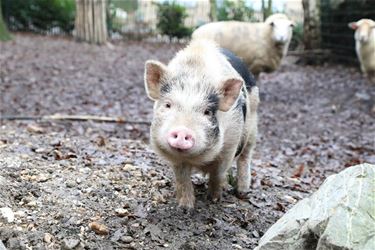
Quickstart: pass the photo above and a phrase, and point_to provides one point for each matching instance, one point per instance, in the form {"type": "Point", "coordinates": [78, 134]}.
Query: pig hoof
{"type": "Point", "coordinates": [185, 210]}
{"type": "Point", "coordinates": [216, 197]}
{"type": "Point", "coordinates": [186, 203]}
{"type": "Point", "coordinates": [243, 195]}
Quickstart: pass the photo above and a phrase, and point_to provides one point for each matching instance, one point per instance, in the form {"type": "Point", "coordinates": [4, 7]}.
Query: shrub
{"type": "Point", "coordinates": [171, 17]}
{"type": "Point", "coordinates": [115, 23]}
{"type": "Point", "coordinates": [40, 15]}
{"type": "Point", "coordinates": [235, 10]}
{"type": "Point", "coordinates": [297, 38]}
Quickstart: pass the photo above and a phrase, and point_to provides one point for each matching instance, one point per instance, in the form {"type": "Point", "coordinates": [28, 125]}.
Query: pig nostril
{"type": "Point", "coordinates": [175, 136]}
{"type": "Point", "coordinates": [186, 138]}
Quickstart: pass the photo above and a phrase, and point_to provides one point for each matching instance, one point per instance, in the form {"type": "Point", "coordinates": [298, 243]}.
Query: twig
{"type": "Point", "coordinates": [75, 118]}
{"type": "Point", "coordinates": [308, 52]}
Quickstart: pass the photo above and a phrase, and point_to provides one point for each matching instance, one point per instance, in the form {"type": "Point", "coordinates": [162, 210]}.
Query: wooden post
{"type": "Point", "coordinates": [311, 24]}
{"type": "Point", "coordinates": [91, 21]}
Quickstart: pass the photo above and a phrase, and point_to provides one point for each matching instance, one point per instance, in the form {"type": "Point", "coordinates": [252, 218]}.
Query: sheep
{"type": "Point", "coordinates": [260, 45]}
{"type": "Point", "coordinates": [365, 45]}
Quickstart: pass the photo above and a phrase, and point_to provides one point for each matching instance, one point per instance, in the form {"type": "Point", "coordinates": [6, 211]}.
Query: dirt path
{"type": "Point", "coordinates": [60, 177]}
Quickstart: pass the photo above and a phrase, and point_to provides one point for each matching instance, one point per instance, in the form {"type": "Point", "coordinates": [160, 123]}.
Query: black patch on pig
{"type": "Point", "coordinates": [241, 105]}
{"type": "Point", "coordinates": [213, 106]}
{"type": "Point", "coordinates": [165, 88]}
{"type": "Point", "coordinates": [213, 101]}
{"type": "Point", "coordinates": [240, 67]}
{"type": "Point", "coordinates": [181, 85]}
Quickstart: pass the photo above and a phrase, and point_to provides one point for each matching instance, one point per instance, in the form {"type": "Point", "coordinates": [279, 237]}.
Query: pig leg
{"type": "Point", "coordinates": [184, 186]}
{"type": "Point", "coordinates": [218, 178]}
{"type": "Point", "coordinates": [244, 171]}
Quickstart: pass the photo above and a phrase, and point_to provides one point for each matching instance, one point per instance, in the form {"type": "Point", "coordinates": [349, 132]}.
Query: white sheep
{"type": "Point", "coordinates": [260, 45]}
{"type": "Point", "coordinates": [365, 45]}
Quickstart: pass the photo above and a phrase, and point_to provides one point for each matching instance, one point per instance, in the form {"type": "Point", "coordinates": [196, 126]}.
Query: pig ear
{"type": "Point", "coordinates": [154, 72]}
{"type": "Point", "coordinates": [230, 91]}
{"type": "Point", "coordinates": [353, 25]}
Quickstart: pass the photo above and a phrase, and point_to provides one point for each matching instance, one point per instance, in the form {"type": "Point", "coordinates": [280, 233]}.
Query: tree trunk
{"type": "Point", "coordinates": [311, 24]}
{"type": "Point", "coordinates": [91, 22]}
{"type": "Point", "coordinates": [4, 34]}
{"type": "Point", "coordinates": [266, 9]}
{"type": "Point", "coordinates": [263, 10]}
{"type": "Point", "coordinates": [213, 11]}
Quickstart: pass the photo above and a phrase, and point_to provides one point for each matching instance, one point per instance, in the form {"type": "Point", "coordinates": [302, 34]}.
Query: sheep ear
{"type": "Point", "coordinates": [353, 25]}
{"type": "Point", "coordinates": [230, 90]}
{"type": "Point", "coordinates": [154, 73]}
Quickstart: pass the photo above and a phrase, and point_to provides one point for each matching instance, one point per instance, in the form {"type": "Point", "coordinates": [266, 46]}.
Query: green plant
{"type": "Point", "coordinates": [40, 15]}
{"type": "Point", "coordinates": [4, 34]}
{"type": "Point", "coordinates": [235, 10]}
{"type": "Point", "coordinates": [297, 38]}
{"type": "Point", "coordinates": [266, 8]}
{"type": "Point", "coordinates": [171, 17]}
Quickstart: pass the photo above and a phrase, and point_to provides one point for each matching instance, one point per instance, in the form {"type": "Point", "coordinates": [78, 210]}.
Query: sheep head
{"type": "Point", "coordinates": [362, 29]}
{"type": "Point", "coordinates": [282, 28]}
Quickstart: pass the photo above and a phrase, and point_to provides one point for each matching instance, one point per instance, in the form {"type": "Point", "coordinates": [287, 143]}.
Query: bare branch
{"type": "Point", "coordinates": [75, 118]}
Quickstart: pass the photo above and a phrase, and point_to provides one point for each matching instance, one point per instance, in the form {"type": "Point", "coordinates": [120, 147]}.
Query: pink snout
{"type": "Point", "coordinates": [181, 138]}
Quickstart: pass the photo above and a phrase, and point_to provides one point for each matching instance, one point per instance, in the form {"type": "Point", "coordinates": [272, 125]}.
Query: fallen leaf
{"type": "Point", "coordinates": [298, 172]}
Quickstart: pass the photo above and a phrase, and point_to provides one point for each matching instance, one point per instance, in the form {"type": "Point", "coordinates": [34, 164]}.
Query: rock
{"type": "Point", "coordinates": [20, 213]}
{"type": "Point", "coordinates": [69, 243]}
{"type": "Point", "coordinates": [31, 203]}
{"type": "Point", "coordinates": [99, 228]}
{"type": "Point", "coordinates": [70, 184]}
{"type": "Point", "coordinates": [7, 214]}
{"type": "Point", "coordinates": [127, 239]}
{"type": "Point", "coordinates": [120, 212]}
{"type": "Point", "coordinates": [2, 247]}
{"type": "Point", "coordinates": [42, 178]}
{"type": "Point", "coordinates": [118, 234]}
{"type": "Point", "coordinates": [339, 215]}
{"type": "Point", "coordinates": [33, 128]}
{"type": "Point", "coordinates": [41, 150]}
{"type": "Point", "coordinates": [14, 243]}
{"type": "Point", "coordinates": [129, 167]}
{"type": "Point", "coordinates": [363, 96]}
{"type": "Point", "coordinates": [47, 238]}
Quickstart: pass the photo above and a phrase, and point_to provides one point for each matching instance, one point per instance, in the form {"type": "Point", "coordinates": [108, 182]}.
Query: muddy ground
{"type": "Point", "coordinates": [58, 177]}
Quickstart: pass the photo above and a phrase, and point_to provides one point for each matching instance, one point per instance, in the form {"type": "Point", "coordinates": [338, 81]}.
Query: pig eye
{"type": "Point", "coordinates": [168, 105]}
{"type": "Point", "coordinates": [207, 112]}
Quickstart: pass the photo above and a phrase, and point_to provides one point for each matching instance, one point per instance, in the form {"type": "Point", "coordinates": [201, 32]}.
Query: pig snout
{"type": "Point", "coordinates": [181, 138]}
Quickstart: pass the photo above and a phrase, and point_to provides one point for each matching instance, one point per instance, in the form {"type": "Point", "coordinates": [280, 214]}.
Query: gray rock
{"type": "Point", "coordinates": [2, 247]}
{"type": "Point", "coordinates": [127, 239]}
{"type": "Point", "coordinates": [70, 243]}
{"type": "Point", "coordinates": [340, 215]}
{"type": "Point", "coordinates": [6, 214]}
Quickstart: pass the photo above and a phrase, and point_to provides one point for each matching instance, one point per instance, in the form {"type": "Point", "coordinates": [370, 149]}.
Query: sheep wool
{"type": "Point", "coordinates": [365, 46]}
{"type": "Point", "coordinates": [260, 45]}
